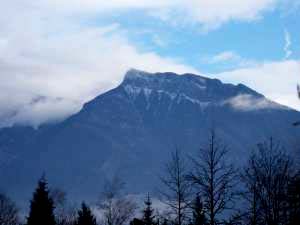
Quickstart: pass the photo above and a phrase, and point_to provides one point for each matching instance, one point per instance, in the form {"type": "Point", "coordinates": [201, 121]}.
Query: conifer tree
{"type": "Point", "coordinates": [198, 212]}
{"type": "Point", "coordinates": [41, 207]}
{"type": "Point", "coordinates": [148, 217]}
{"type": "Point", "coordinates": [136, 221]}
{"type": "Point", "coordinates": [85, 216]}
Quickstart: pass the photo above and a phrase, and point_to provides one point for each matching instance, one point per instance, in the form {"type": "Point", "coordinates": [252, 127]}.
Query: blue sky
{"type": "Point", "coordinates": [259, 40]}
{"type": "Point", "coordinates": [49, 48]}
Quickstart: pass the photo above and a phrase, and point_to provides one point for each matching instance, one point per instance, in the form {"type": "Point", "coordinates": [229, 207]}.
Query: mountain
{"type": "Point", "coordinates": [131, 130]}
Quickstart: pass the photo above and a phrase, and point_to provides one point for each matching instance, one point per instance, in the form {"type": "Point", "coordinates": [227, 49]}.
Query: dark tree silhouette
{"type": "Point", "coordinates": [249, 178]}
{"type": "Point", "coordinates": [148, 217]}
{"type": "Point", "coordinates": [176, 190]}
{"type": "Point", "coordinates": [8, 211]}
{"type": "Point", "coordinates": [198, 212]}
{"type": "Point", "coordinates": [41, 207]}
{"type": "Point", "coordinates": [165, 222]}
{"type": "Point", "coordinates": [214, 179]}
{"type": "Point", "coordinates": [294, 200]}
{"type": "Point", "coordinates": [85, 216]}
{"type": "Point", "coordinates": [136, 221]}
{"type": "Point", "coordinates": [267, 178]}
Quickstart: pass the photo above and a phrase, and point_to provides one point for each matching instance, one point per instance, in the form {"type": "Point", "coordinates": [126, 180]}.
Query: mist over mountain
{"type": "Point", "coordinates": [131, 130]}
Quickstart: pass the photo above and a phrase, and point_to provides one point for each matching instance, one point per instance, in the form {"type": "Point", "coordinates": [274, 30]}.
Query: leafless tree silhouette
{"type": "Point", "coordinates": [117, 208]}
{"type": "Point", "coordinates": [8, 211]}
{"type": "Point", "coordinates": [176, 190]}
{"type": "Point", "coordinates": [214, 179]}
{"type": "Point", "coordinates": [267, 177]}
{"type": "Point", "coordinates": [65, 213]}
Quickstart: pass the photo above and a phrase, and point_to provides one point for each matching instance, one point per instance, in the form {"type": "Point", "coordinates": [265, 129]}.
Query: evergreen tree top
{"type": "Point", "coordinates": [85, 216]}
{"type": "Point", "coordinates": [148, 216]}
{"type": "Point", "coordinates": [41, 207]}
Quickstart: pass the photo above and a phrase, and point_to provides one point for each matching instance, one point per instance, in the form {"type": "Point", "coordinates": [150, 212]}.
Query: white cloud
{"type": "Point", "coordinates": [276, 80]}
{"type": "Point", "coordinates": [250, 103]}
{"type": "Point", "coordinates": [228, 60]}
{"type": "Point", "coordinates": [210, 14]}
{"type": "Point", "coordinates": [223, 57]}
{"type": "Point", "coordinates": [288, 42]}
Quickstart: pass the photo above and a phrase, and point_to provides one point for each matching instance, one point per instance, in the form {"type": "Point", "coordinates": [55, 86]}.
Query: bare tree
{"type": "Point", "coordinates": [65, 213]}
{"type": "Point", "coordinates": [117, 208]}
{"type": "Point", "coordinates": [176, 190]}
{"type": "Point", "coordinates": [8, 211]}
{"type": "Point", "coordinates": [214, 178]}
{"type": "Point", "coordinates": [252, 216]}
{"type": "Point", "coordinates": [267, 177]}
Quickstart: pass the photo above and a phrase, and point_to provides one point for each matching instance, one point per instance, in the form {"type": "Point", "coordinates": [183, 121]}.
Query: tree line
{"type": "Point", "coordinates": [205, 189]}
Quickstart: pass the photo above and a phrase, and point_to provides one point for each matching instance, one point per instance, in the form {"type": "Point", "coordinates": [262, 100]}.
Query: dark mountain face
{"type": "Point", "coordinates": [131, 130]}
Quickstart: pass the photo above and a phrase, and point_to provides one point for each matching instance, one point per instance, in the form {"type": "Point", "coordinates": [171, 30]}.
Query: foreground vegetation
{"type": "Point", "coordinates": [210, 192]}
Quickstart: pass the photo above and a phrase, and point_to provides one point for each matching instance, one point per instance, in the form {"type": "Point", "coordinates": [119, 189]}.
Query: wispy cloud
{"type": "Point", "coordinates": [158, 41]}
{"type": "Point", "coordinates": [288, 43]}
{"type": "Point", "coordinates": [227, 60]}
{"type": "Point", "coordinates": [224, 57]}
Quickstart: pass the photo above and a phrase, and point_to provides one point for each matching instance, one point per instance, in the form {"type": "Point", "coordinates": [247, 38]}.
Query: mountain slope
{"type": "Point", "coordinates": [131, 130]}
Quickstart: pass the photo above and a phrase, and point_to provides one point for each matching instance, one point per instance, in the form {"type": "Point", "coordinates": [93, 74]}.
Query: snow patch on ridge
{"type": "Point", "coordinates": [134, 92]}
{"type": "Point", "coordinates": [193, 100]}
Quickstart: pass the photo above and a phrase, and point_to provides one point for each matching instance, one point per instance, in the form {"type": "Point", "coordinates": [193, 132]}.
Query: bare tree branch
{"type": "Point", "coordinates": [8, 211]}
{"type": "Point", "coordinates": [214, 178]}
{"type": "Point", "coordinates": [117, 209]}
{"type": "Point", "coordinates": [176, 190]}
{"type": "Point", "coordinates": [266, 178]}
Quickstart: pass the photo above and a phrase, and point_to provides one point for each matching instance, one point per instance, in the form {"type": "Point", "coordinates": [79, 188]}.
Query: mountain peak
{"type": "Point", "coordinates": [135, 74]}
{"type": "Point", "coordinates": [191, 85]}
